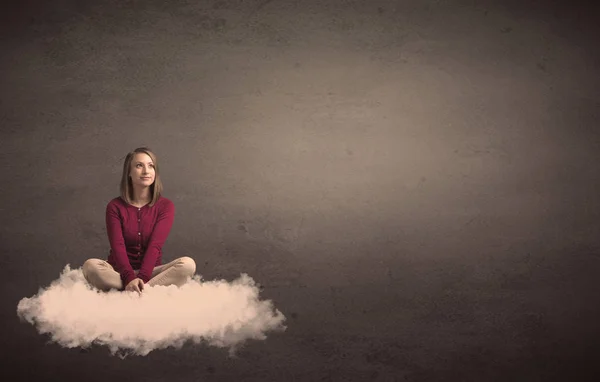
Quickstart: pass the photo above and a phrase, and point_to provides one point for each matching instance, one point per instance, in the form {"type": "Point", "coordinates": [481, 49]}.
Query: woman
{"type": "Point", "coordinates": [138, 224]}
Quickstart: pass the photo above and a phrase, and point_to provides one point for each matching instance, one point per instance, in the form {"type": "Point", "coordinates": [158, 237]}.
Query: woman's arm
{"type": "Point", "coordinates": [117, 244]}
{"type": "Point", "coordinates": [159, 235]}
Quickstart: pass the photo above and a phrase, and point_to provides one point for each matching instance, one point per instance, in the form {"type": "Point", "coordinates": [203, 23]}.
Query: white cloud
{"type": "Point", "coordinates": [220, 313]}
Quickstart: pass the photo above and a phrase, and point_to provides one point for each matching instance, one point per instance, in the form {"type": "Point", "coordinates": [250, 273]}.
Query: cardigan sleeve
{"type": "Point", "coordinates": [159, 235]}
{"type": "Point", "coordinates": [117, 244]}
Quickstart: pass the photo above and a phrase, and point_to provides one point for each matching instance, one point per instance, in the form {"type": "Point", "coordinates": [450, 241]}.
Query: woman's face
{"type": "Point", "coordinates": [142, 170]}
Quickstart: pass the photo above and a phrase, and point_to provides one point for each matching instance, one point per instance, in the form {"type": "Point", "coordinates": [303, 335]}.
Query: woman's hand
{"type": "Point", "coordinates": [136, 285]}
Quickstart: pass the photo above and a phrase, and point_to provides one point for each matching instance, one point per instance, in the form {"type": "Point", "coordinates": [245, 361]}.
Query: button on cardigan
{"type": "Point", "coordinates": [137, 235]}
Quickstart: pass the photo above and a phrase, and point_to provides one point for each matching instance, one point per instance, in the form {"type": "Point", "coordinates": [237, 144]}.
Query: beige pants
{"type": "Point", "coordinates": [100, 274]}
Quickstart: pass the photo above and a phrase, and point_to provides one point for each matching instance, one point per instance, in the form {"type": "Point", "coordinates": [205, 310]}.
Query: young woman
{"type": "Point", "coordinates": [138, 224]}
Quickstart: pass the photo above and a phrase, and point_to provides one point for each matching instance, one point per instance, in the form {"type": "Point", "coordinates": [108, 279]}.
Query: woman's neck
{"type": "Point", "coordinates": [141, 196]}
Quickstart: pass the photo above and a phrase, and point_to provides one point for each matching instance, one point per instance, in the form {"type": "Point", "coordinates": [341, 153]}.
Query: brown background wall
{"type": "Point", "coordinates": [414, 183]}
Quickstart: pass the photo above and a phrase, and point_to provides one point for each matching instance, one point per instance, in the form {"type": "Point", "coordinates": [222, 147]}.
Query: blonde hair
{"type": "Point", "coordinates": [126, 187]}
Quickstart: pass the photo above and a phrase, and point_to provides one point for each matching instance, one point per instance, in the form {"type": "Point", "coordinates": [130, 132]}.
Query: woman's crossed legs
{"type": "Point", "coordinates": [100, 274]}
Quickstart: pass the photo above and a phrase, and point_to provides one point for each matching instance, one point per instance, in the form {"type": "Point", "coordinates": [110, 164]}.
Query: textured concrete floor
{"type": "Point", "coordinates": [414, 183]}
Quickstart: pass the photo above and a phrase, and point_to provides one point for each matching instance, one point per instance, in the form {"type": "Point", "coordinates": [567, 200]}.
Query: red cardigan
{"type": "Point", "coordinates": [136, 236]}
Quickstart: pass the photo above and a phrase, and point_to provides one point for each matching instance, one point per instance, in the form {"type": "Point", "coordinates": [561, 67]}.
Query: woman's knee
{"type": "Point", "coordinates": [100, 274]}
{"type": "Point", "coordinates": [188, 265]}
{"type": "Point", "coordinates": [90, 266]}
{"type": "Point", "coordinates": [94, 267]}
